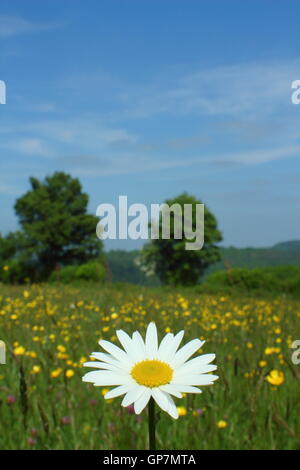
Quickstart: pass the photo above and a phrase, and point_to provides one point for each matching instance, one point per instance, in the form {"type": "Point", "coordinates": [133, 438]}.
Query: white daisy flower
{"type": "Point", "coordinates": [145, 369]}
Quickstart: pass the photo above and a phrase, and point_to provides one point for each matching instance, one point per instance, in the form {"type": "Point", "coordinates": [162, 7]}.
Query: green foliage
{"type": "Point", "coordinates": [92, 271]}
{"type": "Point", "coordinates": [7, 248]}
{"type": "Point", "coordinates": [169, 259]}
{"type": "Point", "coordinates": [55, 223]}
{"type": "Point", "coordinates": [272, 279]}
{"type": "Point", "coordinates": [15, 263]}
{"type": "Point", "coordinates": [123, 267]}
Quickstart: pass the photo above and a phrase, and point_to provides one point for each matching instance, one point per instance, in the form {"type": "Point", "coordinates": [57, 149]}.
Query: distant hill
{"type": "Point", "coordinates": [280, 254]}
{"type": "Point", "coordinates": [123, 268]}
{"type": "Point", "coordinates": [293, 245]}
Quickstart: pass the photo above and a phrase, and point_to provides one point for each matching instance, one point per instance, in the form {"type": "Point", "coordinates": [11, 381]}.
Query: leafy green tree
{"type": "Point", "coordinates": [15, 263]}
{"type": "Point", "coordinates": [55, 223]}
{"type": "Point", "coordinates": [7, 248]}
{"type": "Point", "coordinates": [169, 259]}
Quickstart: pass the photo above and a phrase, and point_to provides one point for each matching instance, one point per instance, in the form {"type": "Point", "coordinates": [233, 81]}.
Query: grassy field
{"type": "Point", "coordinates": [50, 331]}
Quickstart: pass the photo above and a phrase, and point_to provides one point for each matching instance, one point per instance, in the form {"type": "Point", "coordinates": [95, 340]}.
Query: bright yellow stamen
{"type": "Point", "coordinates": [152, 373]}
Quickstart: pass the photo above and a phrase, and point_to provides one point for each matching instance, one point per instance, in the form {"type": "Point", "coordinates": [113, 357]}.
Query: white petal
{"type": "Point", "coordinates": [165, 346]}
{"type": "Point", "coordinates": [116, 352]}
{"type": "Point", "coordinates": [133, 395]}
{"type": "Point", "coordinates": [104, 357]}
{"type": "Point", "coordinates": [171, 390]}
{"type": "Point", "coordinates": [151, 341]}
{"type": "Point", "coordinates": [206, 358]}
{"type": "Point", "coordinates": [181, 388]}
{"type": "Point", "coordinates": [185, 352]}
{"type": "Point", "coordinates": [175, 345]}
{"type": "Point", "coordinates": [106, 378]}
{"type": "Point", "coordinates": [200, 379]}
{"type": "Point", "coordinates": [191, 369]}
{"type": "Point", "coordinates": [101, 365]}
{"type": "Point", "coordinates": [140, 404]}
{"type": "Point", "coordinates": [127, 343]}
{"type": "Point", "coordinates": [161, 398]}
{"type": "Point", "coordinates": [116, 392]}
{"type": "Point", "coordinates": [199, 361]}
{"type": "Point", "coordinates": [139, 345]}
{"type": "Point", "coordinates": [172, 411]}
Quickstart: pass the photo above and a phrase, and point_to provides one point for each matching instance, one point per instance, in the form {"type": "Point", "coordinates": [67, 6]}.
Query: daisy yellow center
{"type": "Point", "coordinates": [152, 373]}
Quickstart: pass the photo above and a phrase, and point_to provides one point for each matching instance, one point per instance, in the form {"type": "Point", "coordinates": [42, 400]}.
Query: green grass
{"type": "Point", "coordinates": [65, 413]}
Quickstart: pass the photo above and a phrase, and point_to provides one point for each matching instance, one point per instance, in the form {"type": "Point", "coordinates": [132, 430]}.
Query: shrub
{"type": "Point", "coordinates": [93, 271]}
{"type": "Point", "coordinates": [271, 279]}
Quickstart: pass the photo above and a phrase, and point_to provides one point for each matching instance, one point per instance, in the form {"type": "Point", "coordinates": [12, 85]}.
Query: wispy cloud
{"type": "Point", "coordinates": [233, 90]}
{"type": "Point", "coordinates": [15, 25]}
{"type": "Point", "coordinates": [54, 137]}
{"type": "Point", "coordinates": [244, 117]}
{"type": "Point", "coordinates": [258, 156]}
{"type": "Point", "coordinates": [31, 147]}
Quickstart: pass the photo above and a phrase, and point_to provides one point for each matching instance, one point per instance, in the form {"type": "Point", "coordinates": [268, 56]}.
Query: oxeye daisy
{"type": "Point", "coordinates": [146, 369]}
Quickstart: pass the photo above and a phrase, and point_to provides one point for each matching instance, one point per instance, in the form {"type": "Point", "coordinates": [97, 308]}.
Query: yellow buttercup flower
{"type": "Point", "coordinates": [181, 410]}
{"type": "Point", "coordinates": [36, 370]}
{"type": "Point", "coordinates": [269, 351]}
{"type": "Point", "coordinates": [69, 373]}
{"type": "Point", "coordinates": [56, 373]}
{"type": "Point", "coordinates": [276, 377]}
{"type": "Point", "coordinates": [262, 363]}
{"type": "Point", "coordinates": [222, 424]}
{"type": "Point", "coordinates": [19, 351]}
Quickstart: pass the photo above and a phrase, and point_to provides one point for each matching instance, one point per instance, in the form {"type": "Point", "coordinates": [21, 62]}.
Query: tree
{"type": "Point", "coordinates": [15, 263]}
{"type": "Point", "coordinates": [7, 248]}
{"type": "Point", "coordinates": [55, 223]}
{"type": "Point", "coordinates": [169, 259]}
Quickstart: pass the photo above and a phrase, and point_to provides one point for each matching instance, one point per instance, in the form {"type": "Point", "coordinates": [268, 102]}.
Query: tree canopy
{"type": "Point", "coordinates": [170, 260]}
{"type": "Point", "coordinates": [55, 223]}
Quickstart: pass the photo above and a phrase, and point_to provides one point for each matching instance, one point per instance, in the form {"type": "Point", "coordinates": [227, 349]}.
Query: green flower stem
{"type": "Point", "coordinates": [151, 424]}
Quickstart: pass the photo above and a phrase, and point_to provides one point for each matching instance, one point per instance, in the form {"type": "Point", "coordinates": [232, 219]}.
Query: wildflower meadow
{"type": "Point", "coordinates": [50, 331]}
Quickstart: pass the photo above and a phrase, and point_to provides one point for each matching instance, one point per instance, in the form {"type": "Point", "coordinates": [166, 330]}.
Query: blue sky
{"type": "Point", "coordinates": [151, 98]}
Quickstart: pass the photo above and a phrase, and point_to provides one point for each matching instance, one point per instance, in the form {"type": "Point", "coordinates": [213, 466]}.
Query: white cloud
{"type": "Point", "coordinates": [265, 155]}
{"type": "Point", "coordinates": [251, 101]}
{"type": "Point", "coordinates": [14, 25]}
{"type": "Point", "coordinates": [30, 146]}
{"type": "Point", "coordinates": [131, 164]}
{"type": "Point", "coordinates": [54, 137]}
{"type": "Point", "coordinates": [234, 90]}
{"type": "Point", "coordinates": [88, 131]}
